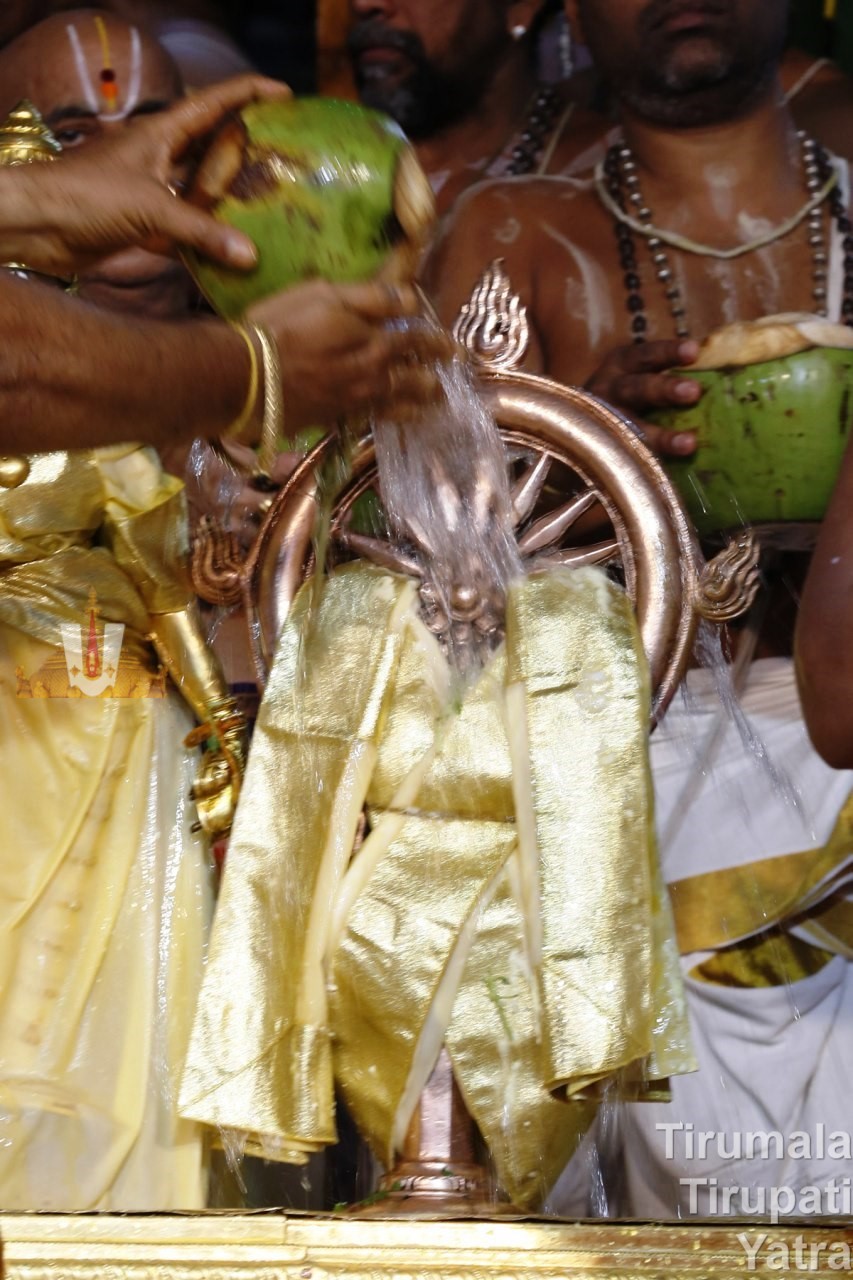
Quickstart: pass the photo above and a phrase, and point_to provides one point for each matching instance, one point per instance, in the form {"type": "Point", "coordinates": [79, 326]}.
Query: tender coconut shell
{"type": "Point", "coordinates": [414, 209]}
{"type": "Point", "coordinates": [771, 338]}
{"type": "Point", "coordinates": [220, 165]}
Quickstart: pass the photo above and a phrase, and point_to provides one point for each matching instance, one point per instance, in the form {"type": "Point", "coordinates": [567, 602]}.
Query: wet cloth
{"type": "Point", "coordinates": [506, 900]}
{"type": "Point", "coordinates": [760, 871]}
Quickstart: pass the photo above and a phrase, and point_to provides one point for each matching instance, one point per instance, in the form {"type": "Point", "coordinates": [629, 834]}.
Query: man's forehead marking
{"type": "Point", "coordinates": [108, 79]}
{"type": "Point", "coordinates": [107, 82]}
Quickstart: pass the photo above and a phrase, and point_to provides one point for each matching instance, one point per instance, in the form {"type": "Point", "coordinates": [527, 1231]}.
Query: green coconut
{"type": "Point", "coordinates": [770, 439]}
{"type": "Point", "coordinates": [325, 189]}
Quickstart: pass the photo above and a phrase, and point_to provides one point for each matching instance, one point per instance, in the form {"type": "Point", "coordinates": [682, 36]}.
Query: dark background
{"type": "Point", "coordinates": [279, 35]}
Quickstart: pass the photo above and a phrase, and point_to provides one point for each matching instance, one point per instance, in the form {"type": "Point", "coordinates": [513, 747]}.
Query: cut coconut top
{"type": "Point", "coordinates": [771, 338]}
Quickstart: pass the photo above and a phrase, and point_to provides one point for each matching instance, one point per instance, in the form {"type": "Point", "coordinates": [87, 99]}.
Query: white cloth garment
{"type": "Point", "coordinates": [772, 1059]}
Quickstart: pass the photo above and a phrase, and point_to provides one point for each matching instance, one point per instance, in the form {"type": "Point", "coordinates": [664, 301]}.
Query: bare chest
{"type": "Point", "coordinates": [707, 292]}
{"type": "Point", "coordinates": [591, 299]}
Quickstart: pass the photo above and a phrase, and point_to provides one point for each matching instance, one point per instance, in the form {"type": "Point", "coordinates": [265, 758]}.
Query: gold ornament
{"type": "Point", "coordinates": [13, 471]}
{"type": "Point", "coordinates": [25, 138]}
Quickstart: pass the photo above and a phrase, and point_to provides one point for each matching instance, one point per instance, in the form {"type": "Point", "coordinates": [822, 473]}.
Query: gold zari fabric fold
{"type": "Point", "coordinates": [506, 900]}
{"type": "Point", "coordinates": [107, 521]}
{"type": "Point", "coordinates": [727, 906]}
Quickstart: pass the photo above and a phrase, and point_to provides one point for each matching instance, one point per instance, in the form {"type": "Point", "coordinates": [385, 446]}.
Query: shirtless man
{"type": "Point", "coordinates": [718, 164]}
{"type": "Point", "coordinates": [710, 163]}
{"type": "Point", "coordinates": [459, 77]}
{"type": "Point", "coordinates": [824, 639]}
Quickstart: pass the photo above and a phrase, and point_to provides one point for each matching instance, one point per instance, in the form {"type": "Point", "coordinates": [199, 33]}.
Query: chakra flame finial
{"type": "Point", "coordinates": [728, 584]}
{"type": "Point", "coordinates": [492, 325]}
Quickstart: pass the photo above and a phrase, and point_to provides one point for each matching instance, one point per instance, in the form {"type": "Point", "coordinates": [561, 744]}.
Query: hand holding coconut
{"type": "Point", "coordinates": [644, 376]}
{"type": "Point", "coordinates": [334, 200]}
{"type": "Point", "coordinates": [61, 217]}
{"type": "Point", "coordinates": [771, 425]}
{"type": "Point", "coordinates": [348, 348]}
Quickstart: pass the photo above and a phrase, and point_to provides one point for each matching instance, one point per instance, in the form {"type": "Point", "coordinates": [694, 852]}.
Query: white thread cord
{"type": "Point", "coordinates": [651, 232]}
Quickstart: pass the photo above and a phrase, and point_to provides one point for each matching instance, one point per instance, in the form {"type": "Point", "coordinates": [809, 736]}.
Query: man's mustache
{"type": "Point", "coordinates": [372, 35]}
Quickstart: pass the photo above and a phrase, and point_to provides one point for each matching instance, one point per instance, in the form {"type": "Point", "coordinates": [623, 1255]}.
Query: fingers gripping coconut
{"type": "Point", "coordinates": [325, 189]}
{"type": "Point", "coordinates": [333, 197]}
{"type": "Point", "coordinates": [772, 423]}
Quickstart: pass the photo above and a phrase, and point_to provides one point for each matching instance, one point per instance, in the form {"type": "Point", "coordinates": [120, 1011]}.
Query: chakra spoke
{"type": "Point", "coordinates": [550, 528]}
{"type": "Point", "coordinates": [577, 557]}
{"type": "Point", "coordinates": [528, 487]}
{"type": "Point", "coordinates": [382, 553]}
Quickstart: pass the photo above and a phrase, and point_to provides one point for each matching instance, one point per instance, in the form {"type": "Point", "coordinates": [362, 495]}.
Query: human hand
{"type": "Point", "coordinates": [346, 349]}
{"type": "Point", "coordinates": [640, 377]}
{"type": "Point", "coordinates": [116, 191]}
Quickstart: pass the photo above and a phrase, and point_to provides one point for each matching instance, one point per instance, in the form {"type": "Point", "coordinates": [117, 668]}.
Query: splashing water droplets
{"type": "Point", "coordinates": [445, 489]}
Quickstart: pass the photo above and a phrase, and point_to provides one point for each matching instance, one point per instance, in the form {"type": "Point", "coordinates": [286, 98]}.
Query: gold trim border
{"type": "Point", "coordinates": [267, 1246]}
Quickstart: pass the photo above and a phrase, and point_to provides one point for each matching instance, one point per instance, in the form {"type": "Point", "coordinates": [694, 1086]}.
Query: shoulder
{"type": "Point", "coordinates": [508, 218]}
{"type": "Point", "coordinates": [821, 98]}
{"type": "Point", "coordinates": [519, 198]}
{"type": "Point", "coordinates": [546, 234]}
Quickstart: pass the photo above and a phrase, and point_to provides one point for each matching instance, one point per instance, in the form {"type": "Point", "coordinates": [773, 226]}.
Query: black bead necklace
{"type": "Point", "coordinates": [839, 215]}
{"type": "Point", "coordinates": [538, 125]}
{"type": "Point", "coordinates": [621, 182]}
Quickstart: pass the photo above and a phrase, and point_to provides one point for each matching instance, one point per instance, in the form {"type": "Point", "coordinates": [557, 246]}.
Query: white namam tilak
{"type": "Point", "coordinates": [105, 97]}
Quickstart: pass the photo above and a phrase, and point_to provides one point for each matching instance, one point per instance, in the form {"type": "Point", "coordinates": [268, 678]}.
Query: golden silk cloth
{"type": "Point", "coordinates": [105, 892]}
{"type": "Point", "coordinates": [506, 900]}
{"type": "Point", "coordinates": [108, 520]}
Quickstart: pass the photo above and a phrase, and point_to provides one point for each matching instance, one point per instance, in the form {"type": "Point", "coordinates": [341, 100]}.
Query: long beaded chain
{"type": "Point", "coordinates": [623, 186]}
{"type": "Point", "coordinates": [540, 129]}
{"type": "Point", "coordinates": [538, 125]}
{"type": "Point", "coordinates": [839, 215]}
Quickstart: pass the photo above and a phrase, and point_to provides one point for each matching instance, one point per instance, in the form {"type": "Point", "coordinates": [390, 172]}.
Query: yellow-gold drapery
{"type": "Point", "coordinates": [772, 921]}
{"type": "Point", "coordinates": [506, 899]}
{"type": "Point", "coordinates": [105, 892]}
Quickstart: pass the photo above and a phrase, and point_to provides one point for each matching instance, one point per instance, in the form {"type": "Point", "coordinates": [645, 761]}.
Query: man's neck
{"type": "Point", "coordinates": [481, 135]}
{"type": "Point", "coordinates": [753, 152]}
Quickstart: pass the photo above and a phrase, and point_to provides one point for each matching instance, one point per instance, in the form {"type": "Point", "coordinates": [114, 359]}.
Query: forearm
{"type": "Point", "coordinates": [74, 376]}
{"type": "Point", "coordinates": [824, 641]}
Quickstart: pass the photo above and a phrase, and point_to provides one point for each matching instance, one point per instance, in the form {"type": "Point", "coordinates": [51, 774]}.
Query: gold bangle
{"type": "Point", "coordinates": [240, 423]}
{"type": "Point", "coordinates": [273, 422]}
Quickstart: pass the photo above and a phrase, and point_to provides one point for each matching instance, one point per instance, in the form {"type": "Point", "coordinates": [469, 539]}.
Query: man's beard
{"type": "Point", "coordinates": [705, 96]}
{"type": "Point", "coordinates": [423, 100]}
{"type": "Point", "coordinates": [668, 87]}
